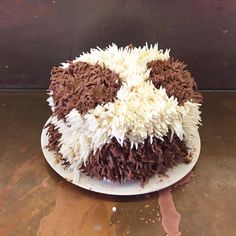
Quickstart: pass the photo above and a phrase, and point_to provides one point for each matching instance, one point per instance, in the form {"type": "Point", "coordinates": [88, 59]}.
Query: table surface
{"type": "Point", "coordinates": [34, 200]}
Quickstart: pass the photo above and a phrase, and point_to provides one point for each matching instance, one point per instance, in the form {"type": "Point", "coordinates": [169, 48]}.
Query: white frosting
{"type": "Point", "coordinates": [51, 102]}
{"type": "Point", "coordinates": [139, 111]}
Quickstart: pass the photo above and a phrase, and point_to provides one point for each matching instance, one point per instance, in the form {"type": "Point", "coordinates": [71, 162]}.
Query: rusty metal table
{"type": "Point", "coordinates": [34, 200]}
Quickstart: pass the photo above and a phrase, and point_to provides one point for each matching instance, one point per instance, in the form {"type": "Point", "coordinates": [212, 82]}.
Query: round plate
{"type": "Point", "coordinates": [129, 188]}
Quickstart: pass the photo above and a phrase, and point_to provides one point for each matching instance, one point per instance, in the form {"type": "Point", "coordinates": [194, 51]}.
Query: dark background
{"type": "Point", "coordinates": [35, 35]}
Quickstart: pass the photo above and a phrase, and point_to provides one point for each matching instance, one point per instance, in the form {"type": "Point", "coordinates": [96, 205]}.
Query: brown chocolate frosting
{"type": "Point", "coordinates": [172, 75]}
{"type": "Point", "coordinates": [82, 86]}
{"type": "Point", "coordinates": [119, 164]}
{"type": "Point", "coordinates": [53, 138]}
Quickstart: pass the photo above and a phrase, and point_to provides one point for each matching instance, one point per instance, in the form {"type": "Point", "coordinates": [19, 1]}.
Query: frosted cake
{"type": "Point", "coordinates": [123, 114]}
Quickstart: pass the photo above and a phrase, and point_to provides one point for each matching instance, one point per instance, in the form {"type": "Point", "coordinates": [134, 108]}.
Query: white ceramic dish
{"type": "Point", "coordinates": [130, 188]}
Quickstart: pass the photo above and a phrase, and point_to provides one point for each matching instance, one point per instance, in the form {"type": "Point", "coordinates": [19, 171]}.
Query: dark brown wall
{"type": "Point", "coordinates": [35, 35]}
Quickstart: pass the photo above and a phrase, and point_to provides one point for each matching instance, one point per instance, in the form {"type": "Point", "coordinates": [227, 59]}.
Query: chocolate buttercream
{"type": "Point", "coordinates": [118, 164]}
{"type": "Point", "coordinates": [82, 86]}
{"type": "Point", "coordinates": [172, 75]}
{"type": "Point", "coordinates": [53, 138]}
{"type": "Point", "coordinates": [53, 143]}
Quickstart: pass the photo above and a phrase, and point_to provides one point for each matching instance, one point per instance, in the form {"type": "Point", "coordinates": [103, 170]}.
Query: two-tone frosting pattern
{"type": "Point", "coordinates": [138, 108]}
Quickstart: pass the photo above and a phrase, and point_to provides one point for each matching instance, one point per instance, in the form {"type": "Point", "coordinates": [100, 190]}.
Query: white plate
{"type": "Point", "coordinates": [129, 188]}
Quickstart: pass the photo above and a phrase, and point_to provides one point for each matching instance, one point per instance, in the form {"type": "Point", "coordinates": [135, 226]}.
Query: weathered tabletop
{"type": "Point", "coordinates": [34, 200]}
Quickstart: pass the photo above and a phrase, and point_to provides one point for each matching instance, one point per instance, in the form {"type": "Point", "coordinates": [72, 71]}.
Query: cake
{"type": "Point", "coordinates": [122, 114]}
